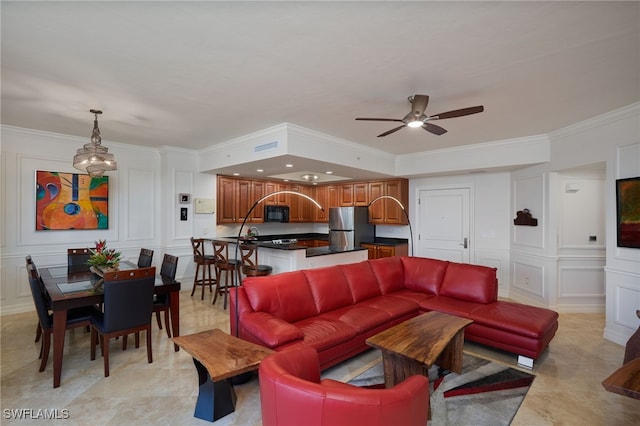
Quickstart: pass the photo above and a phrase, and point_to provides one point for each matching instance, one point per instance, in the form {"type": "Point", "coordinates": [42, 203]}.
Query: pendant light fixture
{"type": "Point", "coordinates": [93, 158]}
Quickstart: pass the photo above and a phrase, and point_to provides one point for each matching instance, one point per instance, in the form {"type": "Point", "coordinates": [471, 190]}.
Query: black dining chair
{"type": "Point", "coordinates": [145, 258]}
{"type": "Point", "coordinates": [77, 317]}
{"type": "Point", "coordinates": [29, 261]}
{"type": "Point", "coordinates": [77, 258]}
{"type": "Point", "coordinates": [128, 303]}
{"type": "Point", "coordinates": [161, 301]}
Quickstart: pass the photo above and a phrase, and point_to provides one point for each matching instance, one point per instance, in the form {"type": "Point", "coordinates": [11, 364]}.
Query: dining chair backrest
{"type": "Point", "coordinates": [169, 266]}
{"type": "Point", "coordinates": [38, 297]}
{"type": "Point", "coordinates": [128, 298]}
{"type": "Point", "coordinates": [28, 259]}
{"type": "Point", "coordinates": [145, 259]}
{"type": "Point", "coordinates": [78, 257]}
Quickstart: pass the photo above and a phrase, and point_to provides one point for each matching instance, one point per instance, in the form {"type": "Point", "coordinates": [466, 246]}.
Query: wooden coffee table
{"type": "Point", "coordinates": [413, 346]}
{"type": "Point", "coordinates": [218, 357]}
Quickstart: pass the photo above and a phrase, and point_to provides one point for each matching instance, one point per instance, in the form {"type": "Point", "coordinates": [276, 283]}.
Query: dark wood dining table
{"type": "Point", "coordinates": [73, 287]}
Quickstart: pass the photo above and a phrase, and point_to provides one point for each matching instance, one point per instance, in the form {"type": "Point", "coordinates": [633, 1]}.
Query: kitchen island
{"type": "Point", "coordinates": [294, 252]}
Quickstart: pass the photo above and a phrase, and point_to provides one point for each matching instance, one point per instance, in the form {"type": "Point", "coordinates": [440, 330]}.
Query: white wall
{"type": "Point", "coordinates": [552, 264]}
{"type": "Point", "coordinates": [142, 206]}
{"type": "Point", "coordinates": [490, 216]}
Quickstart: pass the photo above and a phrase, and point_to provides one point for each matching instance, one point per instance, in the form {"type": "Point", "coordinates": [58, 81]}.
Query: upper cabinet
{"type": "Point", "coordinates": [236, 196]}
{"type": "Point", "coordinates": [227, 194]}
{"type": "Point", "coordinates": [301, 208]}
{"type": "Point", "coordinates": [386, 211]}
{"type": "Point", "coordinates": [235, 199]}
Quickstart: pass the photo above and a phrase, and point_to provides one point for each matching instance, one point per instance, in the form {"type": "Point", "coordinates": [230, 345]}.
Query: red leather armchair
{"type": "Point", "coordinates": [292, 393]}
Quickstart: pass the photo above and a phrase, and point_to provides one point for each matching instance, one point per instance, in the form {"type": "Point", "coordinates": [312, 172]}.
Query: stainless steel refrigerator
{"type": "Point", "coordinates": [348, 227]}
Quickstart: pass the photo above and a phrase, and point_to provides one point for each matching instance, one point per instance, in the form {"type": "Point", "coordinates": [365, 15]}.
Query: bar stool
{"type": "Point", "coordinates": [223, 264]}
{"type": "Point", "coordinates": [203, 266]}
{"type": "Point", "coordinates": [250, 265]}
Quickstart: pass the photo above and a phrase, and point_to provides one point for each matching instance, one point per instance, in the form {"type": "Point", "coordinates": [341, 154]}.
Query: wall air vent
{"type": "Point", "coordinates": [265, 146]}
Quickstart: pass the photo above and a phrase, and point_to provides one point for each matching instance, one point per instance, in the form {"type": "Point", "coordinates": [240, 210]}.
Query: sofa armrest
{"type": "Point", "coordinates": [270, 330]}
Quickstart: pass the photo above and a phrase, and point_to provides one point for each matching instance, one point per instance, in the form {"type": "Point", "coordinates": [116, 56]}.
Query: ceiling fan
{"type": "Point", "coordinates": [417, 118]}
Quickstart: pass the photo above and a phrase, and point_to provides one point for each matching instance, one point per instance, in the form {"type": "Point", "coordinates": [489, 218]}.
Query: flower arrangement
{"type": "Point", "coordinates": [101, 256]}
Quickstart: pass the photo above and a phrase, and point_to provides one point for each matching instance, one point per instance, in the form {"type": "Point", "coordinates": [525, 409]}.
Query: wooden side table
{"type": "Point", "coordinates": [218, 357]}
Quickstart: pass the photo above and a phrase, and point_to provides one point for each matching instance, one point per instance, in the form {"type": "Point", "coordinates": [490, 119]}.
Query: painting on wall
{"type": "Point", "coordinates": [628, 203]}
{"type": "Point", "coordinates": [71, 201]}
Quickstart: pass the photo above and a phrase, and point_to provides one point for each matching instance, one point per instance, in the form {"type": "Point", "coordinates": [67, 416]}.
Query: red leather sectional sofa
{"type": "Point", "coordinates": [335, 309]}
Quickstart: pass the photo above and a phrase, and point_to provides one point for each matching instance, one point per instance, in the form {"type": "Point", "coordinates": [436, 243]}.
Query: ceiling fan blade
{"type": "Point", "coordinates": [379, 119]}
{"type": "Point", "coordinates": [457, 113]}
{"type": "Point", "coordinates": [419, 104]}
{"type": "Point", "coordinates": [432, 128]}
{"type": "Point", "coordinates": [388, 132]}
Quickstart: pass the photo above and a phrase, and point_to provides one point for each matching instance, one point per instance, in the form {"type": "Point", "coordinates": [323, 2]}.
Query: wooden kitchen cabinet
{"type": "Point", "coordinates": [360, 194]}
{"type": "Point", "coordinates": [280, 199]}
{"type": "Point", "coordinates": [301, 209]}
{"type": "Point", "coordinates": [346, 194]}
{"type": "Point", "coordinates": [378, 251]}
{"type": "Point", "coordinates": [236, 197]}
{"type": "Point", "coordinates": [386, 211]}
{"type": "Point", "coordinates": [226, 203]}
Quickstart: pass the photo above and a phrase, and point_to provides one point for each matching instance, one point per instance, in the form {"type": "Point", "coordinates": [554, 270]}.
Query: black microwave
{"type": "Point", "coordinates": [276, 214]}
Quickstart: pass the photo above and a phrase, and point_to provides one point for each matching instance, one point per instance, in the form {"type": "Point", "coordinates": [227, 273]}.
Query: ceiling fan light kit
{"type": "Point", "coordinates": [417, 118]}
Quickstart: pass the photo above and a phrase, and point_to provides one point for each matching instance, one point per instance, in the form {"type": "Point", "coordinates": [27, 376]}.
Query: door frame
{"type": "Point", "coordinates": [416, 213]}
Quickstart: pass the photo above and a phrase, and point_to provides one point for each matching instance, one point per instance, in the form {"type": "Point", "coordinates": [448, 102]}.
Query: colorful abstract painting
{"type": "Point", "coordinates": [71, 201]}
{"type": "Point", "coordinates": [628, 194]}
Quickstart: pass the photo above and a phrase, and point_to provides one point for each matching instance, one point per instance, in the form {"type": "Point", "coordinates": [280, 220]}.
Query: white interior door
{"type": "Point", "coordinates": [444, 216]}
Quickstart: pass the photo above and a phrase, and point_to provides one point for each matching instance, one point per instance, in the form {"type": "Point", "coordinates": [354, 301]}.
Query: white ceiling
{"type": "Point", "coordinates": [194, 74]}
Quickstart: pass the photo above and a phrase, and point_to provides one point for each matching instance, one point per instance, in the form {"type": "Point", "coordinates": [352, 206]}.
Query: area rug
{"type": "Point", "coordinates": [485, 393]}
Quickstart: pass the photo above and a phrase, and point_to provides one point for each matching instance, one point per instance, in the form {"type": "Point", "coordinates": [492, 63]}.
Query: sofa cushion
{"type": "Point", "coordinates": [448, 305]}
{"type": "Point", "coordinates": [411, 295]}
{"type": "Point", "coordinates": [361, 279]}
{"type": "Point", "coordinates": [286, 296]}
{"type": "Point", "coordinates": [516, 318]}
{"type": "Point", "coordinates": [389, 272]}
{"type": "Point", "coordinates": [329, 288]}
{"type": "Point", "coordinates": [396, 307]}
{"type": "Point", "coordinates": [322, 333]}
{"type": "Point", "coordinates": [473, 283]}
{"type": "Point", "coordinates": [361, 318]}
{"type": "Point", "coordinates": [271, 331]}
{"type": "Point", "coordinates": [423, 274]}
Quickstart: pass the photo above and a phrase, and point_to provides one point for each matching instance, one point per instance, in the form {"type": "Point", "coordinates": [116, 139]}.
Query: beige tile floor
{"type": "Point", "coordinates": [567, 389]}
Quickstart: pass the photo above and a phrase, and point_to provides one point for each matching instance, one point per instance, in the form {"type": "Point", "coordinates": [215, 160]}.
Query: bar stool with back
{"type": "Point", "coordinates": [203, 266]}
{"type": "Point", "coordinates": [250, 265]}
{"type": "Point", "coordinates": [223, 264]}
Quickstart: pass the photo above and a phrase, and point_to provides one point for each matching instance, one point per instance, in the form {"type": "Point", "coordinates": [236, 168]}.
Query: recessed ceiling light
{"type": "Point", "coordinates": [286, 180]}
{"type": "Point", "coordinates": [236, 174]}
{"type": "Point", "coordinates": [329, 172]}
{"type": "Point", "coordinates": [288, 165]}
{"type": "Point", "coordinates": [259, 170]}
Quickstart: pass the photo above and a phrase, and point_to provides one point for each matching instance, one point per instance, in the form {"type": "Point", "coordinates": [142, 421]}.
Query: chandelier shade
{"type": "Point", "coordinates": [93, 158]}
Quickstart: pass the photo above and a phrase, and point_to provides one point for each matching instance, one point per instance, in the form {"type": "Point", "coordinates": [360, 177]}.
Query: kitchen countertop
{"type": "Point", "coordinates": [266, 241]}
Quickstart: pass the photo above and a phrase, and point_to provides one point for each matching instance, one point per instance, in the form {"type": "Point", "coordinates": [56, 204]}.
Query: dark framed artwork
{"type": "Point", "coordinates": [67, 201]}
{"type": "Point", "coordinates": [628, 209]}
